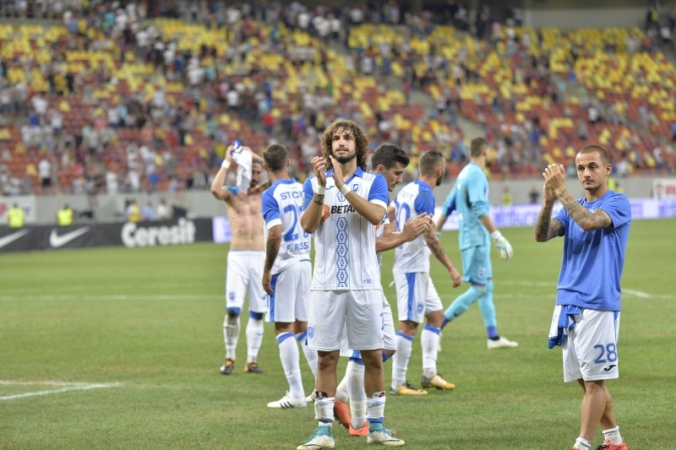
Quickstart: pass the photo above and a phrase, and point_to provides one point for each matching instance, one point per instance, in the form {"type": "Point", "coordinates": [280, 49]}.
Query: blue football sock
{"type": "Point", "coordinates": [462, 303]}
{"type": "Point", "coordinates": [487, 309]}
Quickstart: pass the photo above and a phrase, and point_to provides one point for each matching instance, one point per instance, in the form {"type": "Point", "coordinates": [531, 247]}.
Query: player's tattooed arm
{"type": "Point", "coordinates": [547, 228]}
{"type": "Point", "coordinates": [271, 252]}
{"type": "Point", "coordinates": [318, 199]}
{"type": "Point", "coordinates": [436, 248]}
{"type": "Point", "coordinates": [587, 220]}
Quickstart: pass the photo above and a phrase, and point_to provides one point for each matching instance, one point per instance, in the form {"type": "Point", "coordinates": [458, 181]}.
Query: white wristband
{"type": "Point", "coordinates": [344, 189]}
{"type": "Point", "coordinates": [496, 235]}
{"type": "Point", "coordinates": [320, 190]}
{"type": "Point", "coordinates": [225, 164]}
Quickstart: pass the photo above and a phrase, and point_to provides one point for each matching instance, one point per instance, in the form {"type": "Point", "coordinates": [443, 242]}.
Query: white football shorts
{"type": "Point", "coordinates": [357, 312]}
{"type": "Point", "coordinates": [291, 293]}
{"type": "Point", "coordinates": [244, 274]}
{"type": "Point", "coordinates": [416, 296]}
{"type": "Point", "coordinates": [590, 350]}
{"type": "Point", "coordinates": [389, 338]}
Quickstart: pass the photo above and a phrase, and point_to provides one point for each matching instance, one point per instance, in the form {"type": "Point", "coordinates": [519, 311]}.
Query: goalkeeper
{"type": "Point", "coordinates": [469, 197]}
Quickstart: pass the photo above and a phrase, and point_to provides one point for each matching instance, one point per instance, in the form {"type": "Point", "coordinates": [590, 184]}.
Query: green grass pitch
{"type": "Point", "coordinates": [147, 324]}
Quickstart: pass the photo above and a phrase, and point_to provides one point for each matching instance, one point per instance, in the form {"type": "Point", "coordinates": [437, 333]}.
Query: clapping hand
{"type": "Point", "coordinates": [319, 166]}
{"type": "Point", "coordinates": [415, 226]}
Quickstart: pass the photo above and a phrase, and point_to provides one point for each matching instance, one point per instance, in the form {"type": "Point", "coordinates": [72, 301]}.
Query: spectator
{"type": "Point", "coordinates": [506, 197]}
{"type": "Point", "coordinates": [148, 214]}
{"type": "Point", "coordinates": [163, 211]}
{"type": "Point", "coordinates": [65, 216]}
{"type": "Point", "coordinates": [45, 172]}
{"type": "Point", "coordinates": [15, 216]}
{"type": "Point", "coordinates": [534, 195]}
{"type": "Point", "coordinates": [133, 213]}
{"type": "Point", "coordinates": [622, 167]}
{"type": "Point", "coordinates": [112, 185]}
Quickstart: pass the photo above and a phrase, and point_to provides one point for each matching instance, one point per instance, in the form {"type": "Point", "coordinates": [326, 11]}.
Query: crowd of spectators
{"type": "Point", "coordinates": [146, 96]}
{"type": "Point", "coordinates": [118, 102]}
{"type": "Point", "coordinates": [541, 93]}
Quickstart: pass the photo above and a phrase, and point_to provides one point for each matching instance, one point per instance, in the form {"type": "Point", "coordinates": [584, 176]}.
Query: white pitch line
{"type": "Point", "coordinates": [108, 297]}
{"type": "Point", "coordinates": [65, 289]}
{"type": "Point", "coordinates": [517, 283]}
{"type": "Point", "coordinates": [44, 383]}
{"type": "Point", "coordinates": [527, 283]}
{"type": "Point", "coordinates": [635, 293]}
{"type": "Point", "coordinates": [528, 296]}
{"type": "Point", "coordinates": [631, 292]}
{"type": "Point", "coordinates": [81, 387]}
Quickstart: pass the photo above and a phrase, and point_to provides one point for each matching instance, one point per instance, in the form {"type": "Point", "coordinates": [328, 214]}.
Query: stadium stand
{"type": "Point", "coordinates": [127, 97]}
{"type": "Point", "coordinates": [540, 93]}
{"type": "Point", "coordinates": [113, 101]}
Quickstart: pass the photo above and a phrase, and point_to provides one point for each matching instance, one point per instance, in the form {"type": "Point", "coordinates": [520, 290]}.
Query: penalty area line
{"type": "Point", "coordinates": [72, 387]}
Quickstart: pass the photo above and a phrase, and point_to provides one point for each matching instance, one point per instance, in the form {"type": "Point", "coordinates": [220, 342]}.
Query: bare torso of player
{"type": "Point", "coordinates": [246, 222]}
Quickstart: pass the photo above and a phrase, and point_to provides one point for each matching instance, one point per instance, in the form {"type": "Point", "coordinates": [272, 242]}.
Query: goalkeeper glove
{"type": "Point", "coordinates": [503, 246]}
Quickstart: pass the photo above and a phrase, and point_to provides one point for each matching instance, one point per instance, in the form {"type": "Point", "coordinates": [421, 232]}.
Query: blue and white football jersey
{"type": "Point", "coordinates": [414, 199]}
{"type": "Point", "coordinates": [345, 242]}
{"type": "Point", "coordinates": [469, 197]}
{"type": "Point", "coordinates": [380, 232]}
{"type": "Point", "coordinates": [592, 256]}
{"type": "Point", "coordinates": [282, 204]}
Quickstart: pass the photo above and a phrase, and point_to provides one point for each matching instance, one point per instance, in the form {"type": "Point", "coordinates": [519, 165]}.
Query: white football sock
{"type": "Point", "coordinates": [355, 389]}
{"type": "Point", "coordinates": [341, 389]}
{"type": "Point", "coordinates": [288, 353]}
{"type": "Point", "coordinates": [430, 348]}
{"type": "Point", "coordinates": [254, 338]}
{"type": "Point", "coordinates": [613, 435]}
{"type": "Point", "coordinates": [355, 381]}
{"type": "Point", "coordinates": [582, 444]}
{"type": "Point", "coordinates": [310, 354]}
{"type": "Point", "coordinates": [358, 414]}
{"type": "Point", "coordinates": [324, 410]}
{"type": "Point", "coordinates": [400, 359]}
{"type": "Point", "coordinates": [375, 407]}
{"type": "Point", "coordinates": [230, 335]}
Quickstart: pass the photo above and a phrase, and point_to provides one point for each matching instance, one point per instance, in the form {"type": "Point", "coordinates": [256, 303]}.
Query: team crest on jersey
{"type": "Point", "coordinates": [310, 331]}
{"type": "Point", "coordinates": [355, 187]}
{"type": "Point", "coordinates": [231, 295]}
{"type": "Point", "coordinates": [421, 308]}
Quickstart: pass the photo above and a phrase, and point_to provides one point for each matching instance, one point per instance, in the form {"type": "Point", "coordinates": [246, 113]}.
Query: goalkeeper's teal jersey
{"type": "Point", "coordinates": [469, 197]}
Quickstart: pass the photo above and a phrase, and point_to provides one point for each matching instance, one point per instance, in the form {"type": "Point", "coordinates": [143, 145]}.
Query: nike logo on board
{"type": "Point", "coordinates": [58, 241]}
{"type": "Point", "coordinates": [12, 237]}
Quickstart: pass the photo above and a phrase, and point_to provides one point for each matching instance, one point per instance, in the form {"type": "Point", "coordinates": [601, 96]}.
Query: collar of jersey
{"type": "Point", "coordinates": [291, 181]}
{"type": "Point", "coordinates": [423, 185]}
{"type": "Point", "coordinates": [587, 202]}
{"type": "Point", "coordinates": [357, 173]}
